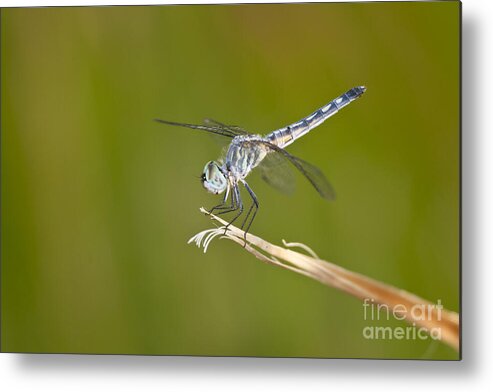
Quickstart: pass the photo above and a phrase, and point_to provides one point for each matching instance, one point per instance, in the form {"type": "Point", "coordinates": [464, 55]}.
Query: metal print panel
{"type": "Point", "coordinates": [310, 151]}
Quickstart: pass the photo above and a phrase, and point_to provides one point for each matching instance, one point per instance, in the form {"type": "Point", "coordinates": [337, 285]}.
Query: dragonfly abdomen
{"type": "Point", "coordinates": [285, 136]}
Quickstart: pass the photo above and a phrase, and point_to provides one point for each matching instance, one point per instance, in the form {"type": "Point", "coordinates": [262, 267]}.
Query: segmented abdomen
{"type": "Point", "coordinates": [287, 135]}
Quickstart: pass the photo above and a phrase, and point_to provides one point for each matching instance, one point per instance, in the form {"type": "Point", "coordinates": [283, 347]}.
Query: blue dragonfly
{"type": "Point", "coordinates": [247, 151]}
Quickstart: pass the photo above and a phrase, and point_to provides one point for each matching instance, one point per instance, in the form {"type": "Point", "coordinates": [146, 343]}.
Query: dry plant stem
{"type": "Point", "coordinates": [424, 314]}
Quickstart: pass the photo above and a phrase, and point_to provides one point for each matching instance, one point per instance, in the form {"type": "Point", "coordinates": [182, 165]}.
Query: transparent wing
{"type": "Point", "coordinates": [229, 128]}
{"type": "Point", "coordinates": [233, 129]}
{"type": "Point", "coordinates": [311, 172]}
{"type": "Point", "coordinates": [276, 171]}
{"type": "Point", "coordinates": [218, 130]}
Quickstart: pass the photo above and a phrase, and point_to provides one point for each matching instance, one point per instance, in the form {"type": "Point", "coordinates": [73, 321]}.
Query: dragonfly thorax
{"type": "Point", "coordinates": [213, 178]}
{"type": "Point", "coordinates": [244, 154]}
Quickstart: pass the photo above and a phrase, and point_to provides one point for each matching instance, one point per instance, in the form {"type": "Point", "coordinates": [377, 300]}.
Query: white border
{"type": "Point", "coordinates": [86, 373]}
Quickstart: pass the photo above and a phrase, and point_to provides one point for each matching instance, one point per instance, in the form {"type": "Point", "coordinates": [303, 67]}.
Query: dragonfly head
{"type": "Point", "coordinates": [213, 179]}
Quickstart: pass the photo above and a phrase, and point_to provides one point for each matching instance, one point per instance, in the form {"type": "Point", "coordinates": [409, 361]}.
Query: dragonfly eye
{"type": "Point", "coordinates": [213, 178]}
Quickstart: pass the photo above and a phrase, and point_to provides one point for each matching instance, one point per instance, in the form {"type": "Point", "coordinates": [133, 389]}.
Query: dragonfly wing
{"type": "Point", "coordinates": [232, 129]}
{"type": "Point", "coordinates": [276, 171]}
{"type": "Point", "coordinates": [229, 128]}
{"type": "Point", "coordinates": [211, 129]}
{"type": "Point", "coordinates": [311, 172]}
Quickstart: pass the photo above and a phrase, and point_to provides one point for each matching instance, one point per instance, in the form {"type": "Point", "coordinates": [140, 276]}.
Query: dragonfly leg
{"type": "Point", "coordinates": [253, 207]}
{"type": "Point", "coordinates": [230, 208]}
{"type": "Point", "coordinates": [247, 215]}
{"type": "Point", "coordinates": [223, 205]}
{"type": "Point", "coordinates": [239, 204]}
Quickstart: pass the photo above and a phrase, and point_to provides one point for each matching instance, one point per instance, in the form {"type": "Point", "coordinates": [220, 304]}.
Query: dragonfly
{"type": "Point", "coordinates": [247, 151]}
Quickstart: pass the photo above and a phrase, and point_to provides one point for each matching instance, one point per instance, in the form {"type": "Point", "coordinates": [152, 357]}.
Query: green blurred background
{"type": "Point", "coordinates": [98, 201]}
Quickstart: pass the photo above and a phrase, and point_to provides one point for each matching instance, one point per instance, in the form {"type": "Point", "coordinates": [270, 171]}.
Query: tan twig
{"type": "Point", "coordinates": [403, 304]}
